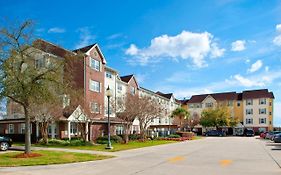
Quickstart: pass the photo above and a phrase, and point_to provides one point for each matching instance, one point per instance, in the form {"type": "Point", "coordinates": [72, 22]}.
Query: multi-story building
{"type": "Point", "coordinates": [253, 108]}
{"type": "Point", "coordinates": [90, 74]}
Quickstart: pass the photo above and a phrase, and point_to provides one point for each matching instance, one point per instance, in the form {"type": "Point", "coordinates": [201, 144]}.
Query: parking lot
{"type": "Point", "coordinates": [211, 156]}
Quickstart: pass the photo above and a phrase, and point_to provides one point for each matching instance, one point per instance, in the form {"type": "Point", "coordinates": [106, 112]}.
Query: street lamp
{"type": "Point", "coordinates": [108, 93]}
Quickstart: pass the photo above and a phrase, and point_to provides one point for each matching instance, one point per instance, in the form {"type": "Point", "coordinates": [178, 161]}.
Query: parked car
{"type": "Point", "coordinates": [249, 133]}
{"type": "Point", "coordinates": [5, 143]}
{"type": "Point", "coordinates": [277, 138]}
{"type": "Point", "coordinates": [215, 133]}
{"type": "Point", "coordinates": [274, 135]}
{"type": "Point", "coordinates": [271, 134]}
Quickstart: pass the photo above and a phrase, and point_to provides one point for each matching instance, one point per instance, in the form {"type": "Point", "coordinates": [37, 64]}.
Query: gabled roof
{"type": "Point", "coordinates": [169, 95]}
{"type": "Point", "coordinates": [86, 50]}
{"type": "Point", "coordinates": [51, 48]}
{"type": "Point", "coordinates": [184, 101]}
{"type": "Point", "coordinates": [127, 78]}
{"type": "Point", "coordinates": [260, 93]}
{"type": "Point", "coordinates": [217, 96]}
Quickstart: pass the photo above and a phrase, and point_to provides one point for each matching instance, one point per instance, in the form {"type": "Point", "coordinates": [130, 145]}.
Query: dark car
{"type": "Point", "coordinates": [5, 143]}
{"type": "Point", "coordinates": [277, 138]}
{"type": "Point", "coordinates": [215, 133]}
{"type": "Point", "coordinates": [249, 133]}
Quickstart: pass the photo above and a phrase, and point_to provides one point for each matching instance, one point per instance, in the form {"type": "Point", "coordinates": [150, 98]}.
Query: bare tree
{"type": "Point", "coordinates": [149, 109]}
{"type": "Point", "coordinates": [127, 110]}
{"type": "Point", "coordinates": [20, 79]}
{"type": "Point", "coordinates": [45, 114]}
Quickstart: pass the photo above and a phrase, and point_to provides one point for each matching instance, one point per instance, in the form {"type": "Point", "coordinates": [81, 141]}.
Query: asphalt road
{"type": "Point", "coordinates": [210, 156]}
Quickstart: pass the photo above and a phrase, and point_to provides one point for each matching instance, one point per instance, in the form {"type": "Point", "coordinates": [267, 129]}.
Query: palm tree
{"type": "Point", "coordinates": [181, 113]}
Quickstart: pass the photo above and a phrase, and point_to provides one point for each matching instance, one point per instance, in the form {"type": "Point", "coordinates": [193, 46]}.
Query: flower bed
{"type": "Point", "coordinates": [180, 139]}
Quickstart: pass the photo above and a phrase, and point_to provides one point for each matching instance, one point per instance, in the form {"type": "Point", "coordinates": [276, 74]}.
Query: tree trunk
{"type": "Point", "coordinates": [27, 131]}
{"type": "Point", "coordinates": [126, 135]}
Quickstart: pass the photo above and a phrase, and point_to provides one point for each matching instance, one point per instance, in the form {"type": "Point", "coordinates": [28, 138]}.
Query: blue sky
{"type": "Point", "coordinates": [185, 47]}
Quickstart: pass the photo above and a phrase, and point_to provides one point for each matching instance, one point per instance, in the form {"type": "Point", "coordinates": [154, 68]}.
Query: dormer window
{"type": "Point", "coordinates": [133, 90]}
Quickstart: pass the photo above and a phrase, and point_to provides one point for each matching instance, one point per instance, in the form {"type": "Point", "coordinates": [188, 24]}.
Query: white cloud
{"type": "Point", "coordinates": [259, 80]}
{"type": "Point", "coordinates": [248, 82]}
{"type": "Point", "coordinates": [132, 50]}
{"type": "Point", "coordinates": [186, 45]}
{"type": "Point", "coordinates": [238, 45]}
{"type": "Point", "coordinates": [255, 66]}
{"type": "Point", "coordinates": [278, 27]}
{"type": "Point", "coordinates": [56, 30]}
{"type": "Point", "coordinates": [248, 61]}
{"type": "Point", "coordinates": [277, 39]}
{"type": "Point", "coordinates": [266, 68]}
{"type": "Point", "coordinates": [86, 38]}
{"type": "Point", "coordinates": [114, 36]}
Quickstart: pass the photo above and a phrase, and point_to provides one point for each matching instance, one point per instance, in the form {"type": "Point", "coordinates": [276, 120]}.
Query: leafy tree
{"type": "Point", "coordinates": [181, 114]}
{"type": "Point", "coordinates": [20, 79]}
{"type": "Point", "coordinates": [216, 117]}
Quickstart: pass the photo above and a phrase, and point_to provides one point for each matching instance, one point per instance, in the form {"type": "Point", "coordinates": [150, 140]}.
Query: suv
{"type": "Point", "coordinates": [215, 133]}
{"type": "Point", "coordinates": [5, 143]}
{"type": "Point", "coordinates": [249, 133]}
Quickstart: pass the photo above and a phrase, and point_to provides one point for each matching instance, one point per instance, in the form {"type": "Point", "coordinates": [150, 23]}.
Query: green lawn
{"type": "Point", "coordinates": [116, 146]}
{"type": "Point", "coordinates": [47, 158]}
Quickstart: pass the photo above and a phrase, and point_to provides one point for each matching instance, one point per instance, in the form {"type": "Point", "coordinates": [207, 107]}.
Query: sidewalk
{"type": "Point", "coordinates": [273, 150]}
{"type": "Point", "coordinates": [21, 148]}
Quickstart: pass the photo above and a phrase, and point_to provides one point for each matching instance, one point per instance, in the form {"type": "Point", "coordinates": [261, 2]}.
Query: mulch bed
{"type": "Point", "coordinates": [30, 155]}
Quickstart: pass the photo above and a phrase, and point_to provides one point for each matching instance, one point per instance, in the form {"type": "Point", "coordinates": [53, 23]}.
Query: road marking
{"type": "Point", "coordinates": [225, 162]}
{"type": "Point", "coordinates": [176, 159]}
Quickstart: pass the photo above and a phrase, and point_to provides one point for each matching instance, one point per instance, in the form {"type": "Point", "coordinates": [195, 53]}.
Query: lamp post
{"type": "Point", "coordinates": [108, 93]}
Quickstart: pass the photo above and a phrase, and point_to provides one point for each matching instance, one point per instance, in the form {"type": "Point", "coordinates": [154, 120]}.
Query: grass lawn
{"type": "Point", "coordinates": [116, 146]}
{"type": "Point", "coordinates": [47, 158]}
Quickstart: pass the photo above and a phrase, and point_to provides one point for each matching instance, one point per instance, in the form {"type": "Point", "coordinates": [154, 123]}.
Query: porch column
{"type": "Point", "coordinates": [87, 131]}
{"type": "Point", "coordinates": [68, 130]}
{"type": "Point", "coordinates": [37, 130]}
{"type": "Point", "coordinates": [53, 130]}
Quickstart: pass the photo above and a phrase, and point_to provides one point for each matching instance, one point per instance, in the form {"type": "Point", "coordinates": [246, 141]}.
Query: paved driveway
{"type": "Point", "coordinates": [210, 156]}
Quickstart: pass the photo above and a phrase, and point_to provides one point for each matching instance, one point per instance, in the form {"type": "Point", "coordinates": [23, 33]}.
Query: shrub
{"type": "Point", "coordinates": [134, 137]}
{"type": "Point", "coordinates": [113, 139]}
{"type": "Point", "coordinates": [74, 142]}
{"type": "Point", "coordinates": [174, 136]}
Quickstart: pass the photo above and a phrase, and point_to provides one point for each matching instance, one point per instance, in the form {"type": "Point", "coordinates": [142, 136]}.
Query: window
{"type": "Point", "coordinates": [230, 103]}
{"type": "Point", "coordinates": [65, 100]}
{"type": "Point", "coordinates": [73, 128]}
{"type": "Point", "coordinates": [238, 103]}
{"type": "Point", "coordinates": [106, 110]}
{"type": "Point", "coordinates": [119, 87]}
{"type": "Point", "coordinates": [190, 106]}
{"type": "Point", "coordinates": [269, 113]}
{"type": "Point", "coordinates": [262, 111]}
{"type": "Point", "coordinates": [269, 103]}
{"type": "Point", "coordinates": [11, 129]}
{"type": "Point", "coordinates": [108, 74]}
{"type": "Point", "coordinates": [95, 64]}
{"type": "Point", "coordinates": [119, 130]}
{"type": "Point", "coordinates": [94, 86]}
{"type": "Point", "coordinates": [40, 63]}
{"type": "Point", "coordinates": [198, 105]}
{"type": "Point", "coordinates": [249, 102]}
{"type": "Point", "coordinates": [249, 111]}
{"type": "Point", "coordinates": [133, 90]}
{"type": "Point", "coordinates": [209, 105]}
{"type": "Point", "coordinates": [95, 107]}
{"type": "Point", "coordinates": [262, 101]}
{"type": "Point", "coordinates": [22, 128]}
{"type": "Point", "coordinates": [249, 121]}
{"type": "Point", "coordinates": [262, 120]}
